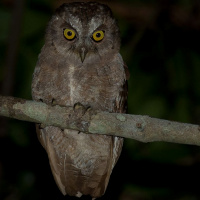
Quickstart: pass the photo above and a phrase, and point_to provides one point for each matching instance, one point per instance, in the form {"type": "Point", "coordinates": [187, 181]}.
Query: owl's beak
{"type": "Point", "coordinates": [83, 53]}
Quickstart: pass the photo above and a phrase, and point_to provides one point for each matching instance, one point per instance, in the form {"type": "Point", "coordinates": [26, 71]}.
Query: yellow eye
{"type": "Point", "coordinates": [98, 36]}
{"type": "Point", "coordinates": [69, 34]}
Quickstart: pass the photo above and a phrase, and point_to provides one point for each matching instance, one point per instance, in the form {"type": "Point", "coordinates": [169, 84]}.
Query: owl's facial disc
{"type": "Point", "coordinates": [97, 36]}
{"type": "Point", "coordinates": [85, 41]}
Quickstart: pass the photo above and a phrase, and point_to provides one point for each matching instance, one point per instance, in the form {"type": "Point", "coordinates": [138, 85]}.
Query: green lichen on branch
{"type": "Point", "coordinates": [141, 128]}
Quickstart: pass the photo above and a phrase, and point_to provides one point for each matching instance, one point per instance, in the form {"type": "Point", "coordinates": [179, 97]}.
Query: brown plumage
{"type": "Point", "coordinates": [77, 65]}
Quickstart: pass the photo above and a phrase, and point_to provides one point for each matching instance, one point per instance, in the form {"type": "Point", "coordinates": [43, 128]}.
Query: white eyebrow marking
{"type": "Point", "coordinates": [94, 24]}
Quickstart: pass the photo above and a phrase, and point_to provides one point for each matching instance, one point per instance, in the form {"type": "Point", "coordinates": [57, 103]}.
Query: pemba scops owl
{"type": "Point", "coordinates": [80, 63]}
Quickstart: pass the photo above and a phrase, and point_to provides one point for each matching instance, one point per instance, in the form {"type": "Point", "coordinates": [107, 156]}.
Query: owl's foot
{"type": "Point", "coordinates": [53, 102]}
{"type": "Point", "coordinates": [41, 126]}
{"type": "Point", "coordinates": [79, 108]}
{"type": "Point", "coordinates": [88, 108]}
{"type": "Point", "coordinates": [79, 111]}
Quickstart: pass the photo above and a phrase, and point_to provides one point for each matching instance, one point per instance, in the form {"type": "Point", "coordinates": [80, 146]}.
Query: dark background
{"type": "Point", "coordinates": [161, 46]}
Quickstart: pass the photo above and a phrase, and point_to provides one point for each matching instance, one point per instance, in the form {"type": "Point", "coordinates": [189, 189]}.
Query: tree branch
{"type": "Point", "coordinates": [141, 128]}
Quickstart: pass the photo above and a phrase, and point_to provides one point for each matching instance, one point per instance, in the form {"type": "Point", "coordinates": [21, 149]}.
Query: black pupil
{"type": "Point", "coordinates": [98, 35]}
{"type": "Point", "coordinates": [69, 33]}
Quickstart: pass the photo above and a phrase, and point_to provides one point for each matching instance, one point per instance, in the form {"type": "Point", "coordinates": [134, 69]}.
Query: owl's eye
{"type": "Point", "coordinates": [69, 34]}
{"type": "Point", "coordinates": [98, 36]}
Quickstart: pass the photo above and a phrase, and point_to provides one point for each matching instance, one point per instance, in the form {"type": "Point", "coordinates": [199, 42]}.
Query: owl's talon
{"type": "Point", "coordinates": [53, 102]}
{"type": "Point", "coordinates": [88, 108]}
{"type": "Point", "coordinates": [42, 126]}
{"type": "Point", "coordinates": [79, 109]}
{"type": "Point", "coordinates": [78, 106]}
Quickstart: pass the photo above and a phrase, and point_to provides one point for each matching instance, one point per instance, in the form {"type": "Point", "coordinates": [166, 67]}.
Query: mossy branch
{"type": "Point", "coordinates": [141, 128]}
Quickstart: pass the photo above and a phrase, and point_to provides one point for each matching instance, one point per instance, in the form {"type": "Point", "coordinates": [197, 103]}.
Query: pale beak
{"type": "Point", "coordinates": [83, 53]}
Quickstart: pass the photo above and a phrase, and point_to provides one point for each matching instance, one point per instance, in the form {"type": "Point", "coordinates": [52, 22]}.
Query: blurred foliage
{"type": "Point", "coordinates": [163, 57]}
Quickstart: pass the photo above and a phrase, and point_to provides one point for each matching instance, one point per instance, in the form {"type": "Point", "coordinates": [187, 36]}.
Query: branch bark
{"type": "Point", "coordinates": [141, 128]}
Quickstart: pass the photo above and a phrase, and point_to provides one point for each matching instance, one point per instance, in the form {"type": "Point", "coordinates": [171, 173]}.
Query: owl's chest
{"type": "Point", "coordinates": [95, 86]}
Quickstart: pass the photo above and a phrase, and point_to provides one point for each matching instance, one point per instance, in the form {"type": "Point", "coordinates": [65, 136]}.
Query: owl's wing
{"type": "Point", "coordinates": [120, 107]}
{"type": "Point", "coordinates": [126, 71]}
{"type": "Point", "coordinates": [74, 162]}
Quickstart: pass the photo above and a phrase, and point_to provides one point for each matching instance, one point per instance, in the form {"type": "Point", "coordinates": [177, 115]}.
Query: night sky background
{"type": "Point", "coordinates": [161, 46]}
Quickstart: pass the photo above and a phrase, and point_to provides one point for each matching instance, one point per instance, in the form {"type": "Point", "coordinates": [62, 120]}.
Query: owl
{"type": "Point", "coordinates": [80, 63]}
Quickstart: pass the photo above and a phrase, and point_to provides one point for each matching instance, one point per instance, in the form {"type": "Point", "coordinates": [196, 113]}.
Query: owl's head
{"type": "Point", "coordinates": [84, 32]}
